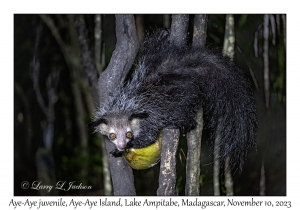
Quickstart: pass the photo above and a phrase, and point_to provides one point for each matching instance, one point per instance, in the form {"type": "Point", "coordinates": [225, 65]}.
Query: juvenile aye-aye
{"type": "Point", "coordinates": [169, 86]}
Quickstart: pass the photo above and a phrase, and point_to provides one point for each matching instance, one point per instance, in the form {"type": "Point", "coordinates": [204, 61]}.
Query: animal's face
{"type": "Point", "coordinates": [121, 130]}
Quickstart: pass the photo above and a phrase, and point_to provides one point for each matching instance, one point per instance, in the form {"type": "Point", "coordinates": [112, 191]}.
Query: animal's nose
{"type": "Point", "coordinates": [121, 145]}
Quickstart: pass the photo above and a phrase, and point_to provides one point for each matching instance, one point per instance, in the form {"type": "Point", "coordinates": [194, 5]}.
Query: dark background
{"type": "Point", "coordinates": [74, 162]}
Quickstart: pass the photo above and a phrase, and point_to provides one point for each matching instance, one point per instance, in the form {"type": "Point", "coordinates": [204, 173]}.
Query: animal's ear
{"type": "Point", "coordinates": [135, 121]}
{"type": "Point", "coordinates": [100, 125]}
{"type": "Point", "coordinates": [141, 115]}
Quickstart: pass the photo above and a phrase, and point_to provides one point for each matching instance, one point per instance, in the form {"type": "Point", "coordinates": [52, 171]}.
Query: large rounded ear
{"type": "Point", "coordinates": [135, 121]}
{"type": "Point", "coordinates": [101, 125]}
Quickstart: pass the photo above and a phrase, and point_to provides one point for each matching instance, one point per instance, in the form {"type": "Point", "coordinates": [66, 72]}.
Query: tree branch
{"type": "Point", "coordinates": [192, 184]}
{"type": "Point", "coordinates": [170, 139]}
{"type": "Point", "coordinates": [179, 29]}
{"type": "Point", "coordinates": [167, 176]}
{"type": "Point", "coordinates": [110, 81]}
{"type": "Point", "coordinates": [228, 49]}
{"type": "Point", "coordinates": [200, 29]}
{"type": "Point", "coordinates": [229, 37]}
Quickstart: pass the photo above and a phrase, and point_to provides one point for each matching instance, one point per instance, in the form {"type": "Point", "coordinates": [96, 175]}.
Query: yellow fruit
{"type": "Point", "coordinates": [146, 157]}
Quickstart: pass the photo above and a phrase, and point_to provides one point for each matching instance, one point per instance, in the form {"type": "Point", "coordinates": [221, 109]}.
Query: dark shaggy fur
{"type": "Point", "coordinates": [170, 84]}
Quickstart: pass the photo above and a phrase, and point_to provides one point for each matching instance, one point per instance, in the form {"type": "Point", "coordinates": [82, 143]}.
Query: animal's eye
{"type": "Point", "coordinates": [129, 134]}
{"type": "Point", "coordinates": [112, 136]}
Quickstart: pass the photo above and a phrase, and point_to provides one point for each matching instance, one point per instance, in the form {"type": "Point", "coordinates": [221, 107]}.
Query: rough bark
{"type": "Point", "coordinates": [167, 178]}
{"type": "Point", "coordinates": [192, 184]}
{"type": "Point", "coordinates": [179, 29]}
{"type": "Point", "coordinates": [109, 82]}
{"type": "Point", "coordinates": [229, 37]}
{"type": "Point", "coordinates": [200, 30]}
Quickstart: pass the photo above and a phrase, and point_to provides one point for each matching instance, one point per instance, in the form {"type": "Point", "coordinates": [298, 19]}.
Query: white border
{"type": "Point", "coordinates": [8, 8]}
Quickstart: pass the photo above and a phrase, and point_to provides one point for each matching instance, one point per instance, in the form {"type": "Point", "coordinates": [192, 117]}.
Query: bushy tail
{"type": "Point", "coordinates": [202, 77]}
{"type": "Point", "coordinates": [229, 108]}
